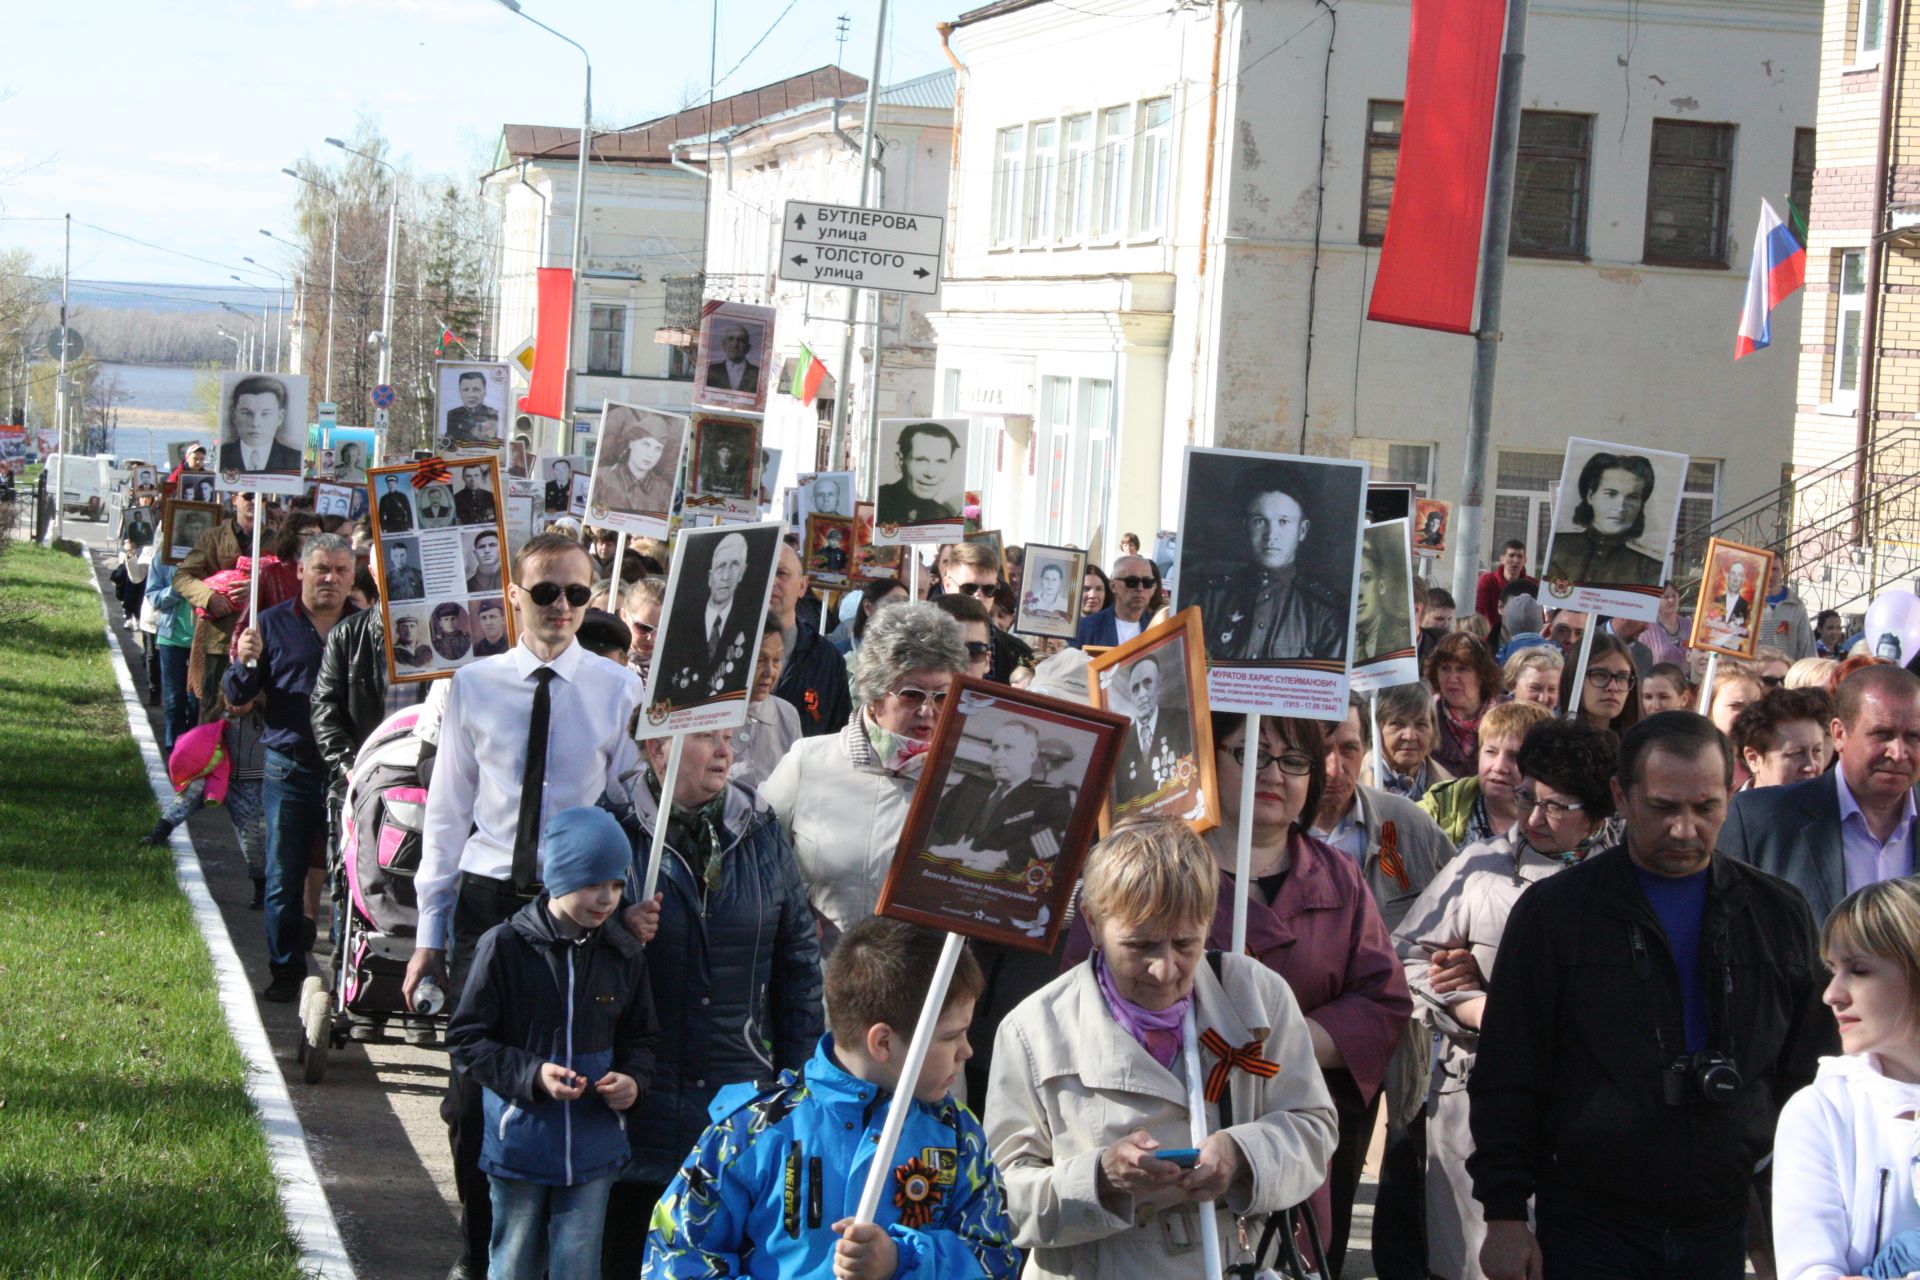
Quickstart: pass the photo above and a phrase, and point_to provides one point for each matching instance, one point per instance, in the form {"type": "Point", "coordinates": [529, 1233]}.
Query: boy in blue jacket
{"type": "Point", "coordinates": [556, 1023]}
{"type": "Point", "coordinates": [772, 1187]}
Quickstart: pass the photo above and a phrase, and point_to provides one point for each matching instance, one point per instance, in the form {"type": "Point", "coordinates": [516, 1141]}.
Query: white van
{"type": "Point", "coordinates": [85, 483]}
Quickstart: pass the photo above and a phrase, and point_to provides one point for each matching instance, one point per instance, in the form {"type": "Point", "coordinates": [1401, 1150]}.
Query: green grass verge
{"type": "Point", "coordinates": [127, 1145]}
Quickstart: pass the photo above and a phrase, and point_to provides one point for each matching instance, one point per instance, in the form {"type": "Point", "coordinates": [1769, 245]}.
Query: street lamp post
{"type": "Point", "coordinates": [333, 270]}
{"type": "Point", "coordinates": [279, 311]}
{"type": "Point", "coordinates": [301, 283]}
{"type": "Point", "coordinates": [393, 240]}
{"type": "Point", "coordinates": [579, 209]}
{"type": "Point", "coordinates": [228, 306]}
{"type": "Point", "coordinates": [238, 346]}
{"type": "Point", "coordinates": [263, 324]}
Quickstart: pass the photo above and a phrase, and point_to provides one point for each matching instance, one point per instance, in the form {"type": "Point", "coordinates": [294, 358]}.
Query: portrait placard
{"type": "Point", "coordinates": [1733, 588]}
{"type": "Point", "coordinates": [556, 474]}
{"type": "Point", "coordinates": [182, 524]}
{"type": "Point", "coordinates": [723, 465]}
{"type": "Point", "coordinates": [577, 496]}
{"type": "Point", "coordinates": [1384, 644]}
{"type": "Point", "coordinates": [1003, 814]}
{"type": "Point", "coordinates": [195, 486]}
{"type": "Point", "coordinates": [143, 480]}
{"type": "Point", "coordinates": [1270, 554]}
{"type": "Point", "coordinates": [1050, 596]}
{"type": "Point", "coordinates": [769, 478]}
{"type": "Point", "coordinates": [470, 407]}
{"type": "Point", "coordinates": [711, 624]}
{"type": "Point", "coordinates": [1431, 521]}
{"type": "Point", "coordinates": [1389, 500]}
{"type": "Point", "coordinates": [443, 585]}
{"type": "Point", "coordinates": [1613, 527]}
{"type": "Point", "coordinates": [730, 366]}
{"type": "Point", "coordinates": [1166, 558]}
{"type": "Point", "coordinates": [826, 493]}
{"type": "Point", "coordinates": [525, 516]}
{"type": "Point", "coordinates": [341, 454]}
{"type": "Point", "coordinates": [177, 453]}
{"type": "Point", "coordinates": [332, 500]}
{"type": "Point", "coordinates": [922, 477]}
{"type": "Point", "coordinates": [1158, 680]}
{"type": "Point", "coordinates": [871, 563]}
{"type": "Point", "coordinates": [634, 469]}
{"type": "Point", "coordinates": [262, 430]}
{"type": "Point", "coordinates": [136, 525]}
{"type": "Point", "coordinates": [829, 546]}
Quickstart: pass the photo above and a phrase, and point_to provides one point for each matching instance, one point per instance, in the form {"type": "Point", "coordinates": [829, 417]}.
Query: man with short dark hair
{"type": "Point", "coordinates": [396, 513]}
{"type": "Point", "coordinates": [1652, 1009]}
{"type": "Point", "coordinates": [1264, 609]}
{"type": "Point", "coordinates": [925, 455]}
{"type": "Point", "coordinates": [1511, 569]}
{"type": "Point", "coordinates": [813, 675]}
{"type": "Point", "coordinates": [256, 410]}
{"type": "Point", "coordinates": [972, 569]}
{"type": "Point", "coordinates": [473, 421]}
{"type": "Point", "coordinates": [474, 503]}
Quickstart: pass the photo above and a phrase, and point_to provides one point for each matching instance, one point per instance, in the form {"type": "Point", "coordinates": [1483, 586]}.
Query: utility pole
{"type": "Point", "coordinates": [1493, 280]}
{"type": "Point", "coordinates": [60, 395]}
{"type": "Point", "coordinates": [840, 393]}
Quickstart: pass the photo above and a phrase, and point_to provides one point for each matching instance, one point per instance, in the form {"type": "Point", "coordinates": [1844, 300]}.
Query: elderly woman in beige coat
{"type": "Point", "coordinates": [1450, 939]}
{"type": "Point", "coordinates": [1089, 1079]}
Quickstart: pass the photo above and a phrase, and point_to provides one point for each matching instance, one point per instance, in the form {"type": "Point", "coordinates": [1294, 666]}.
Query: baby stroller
{"type": "Point", "coordinates": [370, 870]}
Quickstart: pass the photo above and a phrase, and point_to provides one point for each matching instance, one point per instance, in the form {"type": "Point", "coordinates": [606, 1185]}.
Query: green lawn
{"type": "Point", "coordinates": [127, 1145]}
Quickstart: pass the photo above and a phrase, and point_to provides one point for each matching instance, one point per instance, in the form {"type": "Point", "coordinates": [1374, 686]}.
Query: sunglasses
{"type": "Point", "coordinates": [977, 588]}
{"type": "Point", "coordinates": [1137, 584]}
{"type": "Point", "coordinates": [979, 649]}
{"type": "Point", "coordinates": [545, 593]}
{"type": "Point", "coordinates": [642, 629]}
{"type": "Point", "coordinates": [918, 698]}
{"type": "Point", "coordinates": [1773, 682]}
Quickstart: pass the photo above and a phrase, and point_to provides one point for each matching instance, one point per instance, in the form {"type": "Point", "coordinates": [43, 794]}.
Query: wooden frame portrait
{"type": "Point", "coordinates": [1166, 769]}
{"type": "Point", "coordinates": [1005, 810]}
{"type": "Point", "coordinates": [871, 563]}
{"type": "Point", "coordinates": [1055, 613]}
{"type": "Point", "coordinates": [177, 536]}
{"type": "Point", "coordinates": [993, 539]}
{"type": "Point", "coordinates": [433, 598]}
{"type": "Point", "coordinates": [1733, 590]}
{"type": "Point", "coordinates": [1432, 521]}
{"type": "Point", "coordinates": [723, 464]}
{"type": "Point", "coordinates": [829, 550]}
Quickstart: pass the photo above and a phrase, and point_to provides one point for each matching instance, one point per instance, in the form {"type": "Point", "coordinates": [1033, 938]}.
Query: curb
{"type": "Point", "coordinates": [302, 1198]}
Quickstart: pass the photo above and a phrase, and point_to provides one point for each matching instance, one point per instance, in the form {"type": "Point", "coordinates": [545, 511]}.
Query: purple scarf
{"type": "Point", "coordinates": [1159, 1031]}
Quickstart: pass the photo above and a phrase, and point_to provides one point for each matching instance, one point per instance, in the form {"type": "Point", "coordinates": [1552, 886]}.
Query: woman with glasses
{"type": "Point", "coordinates": [1450, 939]}
{"type": "Point", "coordinates": [1785, 737]}
{"type": "Point", "coordinates": [1609, 692]}
{"type": "Point", "coordinates": [842, 798]}
{"type": "Point", "coordinates": [1312, 920]}
{"type": "Point", "coordinates": [1772, 665]}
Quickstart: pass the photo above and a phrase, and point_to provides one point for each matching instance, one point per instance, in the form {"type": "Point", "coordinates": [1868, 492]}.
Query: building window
{"type": "Point", "coordinates": [607, 340]}
{"type": "Point", "coordinates": [1076, 179]}
{"type": "Point", "coordinates": [1043, 178]}
{"type": "Point", "coordinates": [1383, 160]}
{"type": "Point", "coordinates": [1550, 184]}
{"type": "Point", "coordinates": [1849, 313]}
{"type": "Point", "coordinates": [1115, 165]}
{"type": "Point", "coordinates": [1156, 166]}
{"type": "Point", "coordinates": [1391, 462]}
{"type": "Point", "coordinates": [1687, 191]}
{"type": "Point", "coordinates": [1800, 192]}
{"type": "Point", "coordinates": [1523, 500]}
{"type": "Point", "coordinates": [1699, 503]}
{"type": "Point", "coordinates": [1008, 154]}
{"type": "Point", "coordinates": [1872, 32]}
{"type": "Point", "coordinates": [680, 364]}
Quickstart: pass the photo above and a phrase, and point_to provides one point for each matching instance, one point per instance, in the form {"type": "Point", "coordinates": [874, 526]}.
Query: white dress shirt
{"type": "Point", "coordinates": [736, 374]}
{"type": "Point", "coordinates": [483, 757]}
{"type": "Point", "coordinates": [1866, 858]}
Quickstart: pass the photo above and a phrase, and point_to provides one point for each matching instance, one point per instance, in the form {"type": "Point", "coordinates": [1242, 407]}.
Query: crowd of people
{"type": "Point", "coordinates": [1632, 990]}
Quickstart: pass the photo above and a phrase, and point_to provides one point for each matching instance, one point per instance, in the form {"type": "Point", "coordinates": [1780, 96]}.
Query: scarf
{"type": "Point", "coordinates": [695, 833]}
{"type": "Point", "coordinates": [1158, 1031]}
{"type": "Point", "coordinates": [898, 755]}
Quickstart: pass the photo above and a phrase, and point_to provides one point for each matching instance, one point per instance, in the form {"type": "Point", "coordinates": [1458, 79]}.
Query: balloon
{"type": "Point", "coordinates": [1893, 626]}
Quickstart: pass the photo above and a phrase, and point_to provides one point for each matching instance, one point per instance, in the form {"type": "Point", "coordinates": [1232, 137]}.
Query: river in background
{"type": "Point", "coordinates": [157, 410]}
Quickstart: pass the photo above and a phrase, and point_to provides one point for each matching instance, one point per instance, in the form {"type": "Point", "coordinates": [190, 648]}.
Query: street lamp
{"type": "Point", "coordinates": [393, 240]}
{"type": "Point", "coordinates": [228, 306]}
{"type": "Point", "coordinates": [263, 325]}
{"type": "Point", "coordinates": [300, 283]}
{"type": "Point", "coordinates": [579, 206]}
{"type": "Point", "coordinates": [237, 345]}
{"type": "Point", "coordinates": [280, 306]}
{"type": "Point", "coordinates": [333, 264]}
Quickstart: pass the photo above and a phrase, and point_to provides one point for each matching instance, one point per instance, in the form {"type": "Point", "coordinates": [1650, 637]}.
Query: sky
{"type": "Point", "coordinates": [170, 122]}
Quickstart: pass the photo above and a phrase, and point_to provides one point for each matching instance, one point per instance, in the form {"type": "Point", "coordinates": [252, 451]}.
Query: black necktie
{"type": "Point", "coordinates": [533, 785]}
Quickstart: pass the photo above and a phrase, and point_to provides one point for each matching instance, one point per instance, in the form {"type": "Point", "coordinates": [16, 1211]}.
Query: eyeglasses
{"type": "Point", "coordinates": [1773, 682]}
{"type": "Point", "coordinates": [1295, 764]}
{"type": "Point", "coordinates": [1603, 679]}
{"type": "Point", "coordinates": [917, 699]}
{"type": "Point", "coordinates": [977, 588]}
{"type": "Point", "coordinates": [1136, 584]}
{"type": "Point", "coordinates": [545, 593]}
{"type": "Point", "coordinates": [643, 628]}
{"type": "Point", "coordinates": [1529, 801]}
{"type": "Point", "coordinates": [979, 648]}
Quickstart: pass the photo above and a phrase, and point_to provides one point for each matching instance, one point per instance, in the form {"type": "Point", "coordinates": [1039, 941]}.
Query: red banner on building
{"type": "Point", "coordinates": [1429, 265]}
{"type": "Point", "coordinates": [552, 343]}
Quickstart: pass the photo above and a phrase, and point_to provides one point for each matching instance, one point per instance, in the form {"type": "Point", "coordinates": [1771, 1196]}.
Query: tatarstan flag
{"type": "Point", "coordinates": [808, 374]}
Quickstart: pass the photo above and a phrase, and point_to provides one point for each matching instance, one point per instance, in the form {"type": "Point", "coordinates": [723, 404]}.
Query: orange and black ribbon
{"type": "Point", "coordinates": [431, 471]}
{"type": "Point", "coordinates": [1246, 1057]}
{"type": "Point", "coordinates": [918, 1195]}
{"type": "Point", "coordinates": [1390, 862]}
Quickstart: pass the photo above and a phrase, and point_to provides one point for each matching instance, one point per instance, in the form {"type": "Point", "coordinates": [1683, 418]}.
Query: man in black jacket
{"type": "Point", "coordinates": [813, 676]}
{"type": "Point", "coordinates": [350, 695]}
{"type": "Point", "coordinates": [1651, 1011]}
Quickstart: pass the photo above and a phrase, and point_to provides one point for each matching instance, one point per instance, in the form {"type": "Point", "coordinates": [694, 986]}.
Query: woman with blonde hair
{"type": "Point", "coordinates": [1844, 1195]}
{"type": "Point", "coordinates": [1090, 1078]}
{"type": "Point", "coordinates": [1812, 673]}
{"type": "Point", "coordinates": [1533, 675]}
{"type": "Point", "coordinates": [1481, 805]}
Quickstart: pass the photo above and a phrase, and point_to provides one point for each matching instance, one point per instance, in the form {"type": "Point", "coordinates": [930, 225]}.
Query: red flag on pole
{"type": "Point", "coordinates": [1429, 264]}
{"type": "Point", "coordinates": [552, 342]}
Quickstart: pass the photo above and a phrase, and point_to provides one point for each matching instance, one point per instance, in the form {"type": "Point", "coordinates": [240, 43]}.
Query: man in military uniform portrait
{"type": "Point", "coordinates": [635, 476]}
{"type": "Point", "coordinates": [726, 449]}
{"type": "Point", "coordinates": [473, 423]}
{"type": "Point", "coordinates": [559, 487]}
{"type": "Point", "coordinates": [396, 513]}
{"type": "Point", "coordinates": [403, 575]}
{"type": "Point", "coordinates": [408, 649]}
{"type": "Point", "coordinates": [714, 629]}
{"type": "Point", "coordinates": [1602, 547]}
{"type": "Point", "coordinates": [1009, 818]}
{"type": "Point", "coordinates": [926, 489]}
{"type": "Point", "coordinates": [1380, 621]}
{"type": "Point", "coordinates": [490, 620]}
{"type": "Point", "coordinates": [450, 638]}
{"type": "Point", "coordinates": [1264, 609]}
{"type": "Point", "coordinates": [474, 503]}
{"type": "Point", "coordinates": [483, 561]}
{"type": "Point", "coordinates": [1160, 738]}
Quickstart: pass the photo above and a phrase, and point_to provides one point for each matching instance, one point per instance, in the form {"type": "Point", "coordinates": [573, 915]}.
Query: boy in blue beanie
{"type": "Point", "coordinates": [556, 1023]}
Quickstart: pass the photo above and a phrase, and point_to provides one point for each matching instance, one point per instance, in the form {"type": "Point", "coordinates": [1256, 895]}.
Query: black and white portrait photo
{"type": "Point", "coordinates": [480, 549]}
{"type": "Point", "coordinates": [195, 486]}
{"type": "Point", "coordinates": [1158, 682]}
{"type": "Point", "coordinates": [577, 495]}
{"type": "Point", "coordinates": [1383, 606]}
{"type": "Point", "coordinates": [635, 468]}
{"type": "Point", "coordinates": [725, 464]}
{"type": "Point", "coordinates": [1010, 794]}
{"type": "Point", "coordinates": [402, 561]}
{"type": "Point", "coordinates": [450, 633]}
{"type": "Point", "coordinates": [1614, 522]}
{"type": "Point", "coordinates": [411, 652]}
{"type": "Point", "coordinates": [826, 493]}
{"type": "Point", "coordinates": [922, 478]}
{"type": "Point", "coordinates": [730, 366]}
{"type": "Point", "coordinates": [716, 605]}
{"type": "Point", "coordinates": [262, 432]}
{"type": "Point", "coordinates": [555, 473]}
{"type": "Point", "coordinates": [332, 500]}
{"type": "Point", "coordinates": [143, 479]}
{"type": "Point", "coordinates": [1050, 595]}
{"type": "Point", "coordinates": [395, 505]}
{"type": "Point", "coordinates": [489, 627]}
{"type": "Point", "coordinates": [183, 524]}
{"type": "Point", "coordinates": [436, 506]}
{"type": "Point", "coordinates": [473, 500]}
{"type": "Point", "coordinates": [470, 406]}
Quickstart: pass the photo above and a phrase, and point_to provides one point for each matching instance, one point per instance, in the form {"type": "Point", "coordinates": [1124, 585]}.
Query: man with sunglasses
{"type": "Point", "coordinates": [813, 674]}
{"type": "Point", "coordinates": [536, 730]}
{"type": "Point", "coordinates": [1135, 582]}
{"type": "Point", "coordinates": [973, 569]}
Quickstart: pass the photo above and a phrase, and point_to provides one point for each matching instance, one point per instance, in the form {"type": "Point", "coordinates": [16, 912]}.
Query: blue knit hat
{"type": "Point", "coordinates": [584, 846]}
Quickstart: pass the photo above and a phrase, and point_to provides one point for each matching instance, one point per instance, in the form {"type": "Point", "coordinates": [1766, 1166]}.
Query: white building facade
{"type": "Point", "coordinates": [1149, 248]}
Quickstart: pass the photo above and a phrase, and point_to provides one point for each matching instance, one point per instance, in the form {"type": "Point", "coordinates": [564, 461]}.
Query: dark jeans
{"type": "Point", "coordinates": [1400, 1205]}
{"type": "Point", "coordinates": [623, 1241]}
{"type": "Point", "coordinates": [1578, 1244]}
{"type": "Point", "coordinates": [178, 711]}
{"type": "Point", "coordinates": [482, 904]}
{"type": "Point", "coordinates": [296, 803]}
{"type": "Point", "coordinates": [1343, 1175]}
{"type": "Point", "coordinates": [150, 649]}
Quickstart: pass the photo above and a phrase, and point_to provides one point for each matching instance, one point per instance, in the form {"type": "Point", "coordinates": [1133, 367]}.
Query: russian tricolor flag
{"type": "Point", "coordinates": [1779, 267]}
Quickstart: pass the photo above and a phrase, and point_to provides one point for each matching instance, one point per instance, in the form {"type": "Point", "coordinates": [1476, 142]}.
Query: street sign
{"type": "Point", "coordinates": [863, 248]}
{"type": "Point", "coordinates": [380, 419]}
{"type": "Point", "coordinates": [329, 414]}
{"type": "Point", "coordinates": [68, 336]}
{"type": "Point", "coordinates": [522, 355]}
{"type": "Point", "coordinates": [382, 396]}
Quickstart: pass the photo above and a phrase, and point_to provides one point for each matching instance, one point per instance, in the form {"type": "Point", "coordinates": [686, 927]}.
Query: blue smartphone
{"type": "Point", "coordinates": [1185, 1157]}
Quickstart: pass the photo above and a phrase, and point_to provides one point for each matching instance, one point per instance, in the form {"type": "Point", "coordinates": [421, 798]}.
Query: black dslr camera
{"type": "Point", "coordinates": [1701, 1077]}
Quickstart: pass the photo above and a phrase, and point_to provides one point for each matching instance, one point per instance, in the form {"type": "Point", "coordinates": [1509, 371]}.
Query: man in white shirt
{"type": "Point", "coordinates": [481, 852]}
{"type": "Point", "coordinates": [733, 371]}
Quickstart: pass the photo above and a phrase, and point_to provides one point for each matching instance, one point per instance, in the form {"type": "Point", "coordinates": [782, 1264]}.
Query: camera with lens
{"type": "Point", "coordinates": [1701, 1077]}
